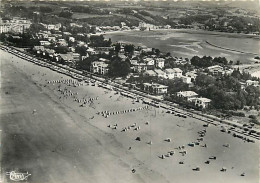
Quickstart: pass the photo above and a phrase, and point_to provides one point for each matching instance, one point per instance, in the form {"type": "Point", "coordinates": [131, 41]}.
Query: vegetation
{"type": "Point", "coordinates": [225, 92]}
{"type": "Point", "coordinates": [118, 68]}
{"type": "Point", "coordinates": [207, 61]}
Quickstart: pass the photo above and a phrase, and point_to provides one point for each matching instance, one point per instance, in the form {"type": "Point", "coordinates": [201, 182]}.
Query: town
{"type": "Point", "coordinates": [207, 89]}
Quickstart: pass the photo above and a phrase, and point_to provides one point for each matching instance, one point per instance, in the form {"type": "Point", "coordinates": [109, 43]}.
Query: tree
{"type": "Point", "coordinates": [85, 64]}
{"type": "Point", "coordinates": [65, 14]}
{"type": "Point", "coordinates": [117, 47]}
{"type": "Point", "coordinates": [117, 68]}
{"type": "Point", "coordinates": [129, 48]}
{"type": "Point", "coordinates": [61, 49]}
{"type": "Point", "coordinates": [253, 95]}
{"type": "Point", "coordinates": [81, 50]}
{"type": "Point", "coordinates": [204, 80]}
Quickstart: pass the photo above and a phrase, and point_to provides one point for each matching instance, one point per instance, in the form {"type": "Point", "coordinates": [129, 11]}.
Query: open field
{"type": "Point", "coordinates": [188, 43]}
{"type": "Point", "coordinates": [49, 135]}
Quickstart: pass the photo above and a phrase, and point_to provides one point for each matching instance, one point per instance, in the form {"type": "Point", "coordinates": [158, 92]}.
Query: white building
{"type": "Point", "coordinates": [139, 67]}
{"type": "Point", "coordinates": [159, 62]}
{"type": "Point", "coordinates": [186, 79]}
{"type": "Point", "coordinates": [149, 73]}
{"type": "Point", "coordinates": [156, 89]}
{"type": "Point", "coordinates": [173, 73]}
{"type": "Point", "coordinates": [160, 73]}
{"type": "Point", "coordinates": [99, 67]}
{"type": "Point", "coordinates": [253, 83]}
{"type": "Point", "coordinates": [187, 95]}
{"type": "Point", "coordinates": [215, 70]}
{"type": "Point", "coordinates": [45, 43]}
{"type": "Point", "coordinates": [201, 102]}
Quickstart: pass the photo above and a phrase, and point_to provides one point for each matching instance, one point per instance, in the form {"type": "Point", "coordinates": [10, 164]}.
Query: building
{"type": "Point", "coordinates": [156, 89]}
{"type": "Point", "coordinates": [253, 83]}
{"type": "Point", "coordinates": [52, 39]}
{"type": "Point", "coordinates": [192, 75]}
{"type": "Point", "coordinates": [45, 43]}
{"type": "Point", "coordinates": [186, 79]}
{"type": "Point", "coordinates": [201, 102]}
{"type": "Point", "coordinates": [159, 63]}
{"type": "Point", "coordinates": [215, 70]}
{"type": "Point", "coordinates": [68, 58]}
{"type": "Point", "coordinates": [62, 42]}
{"type": "Point", "coordinates": [160, 73]}
{"type": "Point", "coordinates": [38, 49]}
{"type": "Point", "coordinates": [173, 73]}
{"type": "Point", "coordinates": [49, 52]}
{"type": "Point", "coordinates": [146, 26]}
{"type": "Point", "coordinates": [102, 50]}
{"type": "Point", "coordinates": [187, 95]}
{"type": "Point", "coordinates": [150, 73]}
{"type": "Point", "coordinates": [16, 25]}
{"type": "Point", "coordinates": [99, 67]}
{"type": "Point", "coordinates": [139, 67]}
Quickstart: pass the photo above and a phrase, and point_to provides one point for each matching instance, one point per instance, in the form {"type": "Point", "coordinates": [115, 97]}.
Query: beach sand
{"type": "Point", "coordinates": [56, 140]}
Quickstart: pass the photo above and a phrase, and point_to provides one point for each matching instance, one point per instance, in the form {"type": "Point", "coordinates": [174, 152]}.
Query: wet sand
{"type": "Point", "coordinates": [63, 142]}
{"type": "Point", "coordinates": [188, 43]}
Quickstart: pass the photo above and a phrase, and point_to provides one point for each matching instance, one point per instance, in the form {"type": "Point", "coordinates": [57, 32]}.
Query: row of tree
{"type": "Point", "coordinates": [207, 61]}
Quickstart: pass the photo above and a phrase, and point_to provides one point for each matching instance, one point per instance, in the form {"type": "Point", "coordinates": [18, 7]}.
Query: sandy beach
{"type": "Point", "coordinates": [45, 131]}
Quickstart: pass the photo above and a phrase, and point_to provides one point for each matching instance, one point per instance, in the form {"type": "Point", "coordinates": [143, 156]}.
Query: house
{"type": "Point", "coordinates": [139, 67]}
{"type": "Point", "coordinates": [173, 73]}
{"type": "Point", "coordinates": [186, 79]}
{"type": "Point", "coordinates": [159, 63]}
{"type": "Point", "coordinates": [149, 73]}
{"type": "Point", "coordinates": [91, 51]}
{"type": "Point", "coordinates": [51, 39]}
{"type": "Point", "coordinates": [45, 43]}
{"type": "Point", "coordinates": [103, 49]}
{"type": "Point", "coordinates": [38, 49]}
{"type": "Point", "coordinates": [160, 73]}
{"type": "Point", "coordinates": [62, 42]}
{"type": "Point", "coordinates": [99, 67]}
{"type": "Point", "coordinates": [156, 89]}
{"type": "Point", "coordinates": [70, 57]}
{"type": "Point", "coordinates": [122, 57]}
{"type": "Point", "coordinates": [201, 102]}
{"type": "Point", "coordinates": [187, 95]}
{"type": "Point", "coordinates": [149, 61]}
{"type": "Point", "coordinates": [192, 75]}
{"type": "Point", "coordinates": [253, 83]}
{"type": "Point", "coordinates": [132, 62]}
{"type": "Point", "coordinates": [215, 70]}
{"type": "Point", "coordinates": [72, 39]}
{"type": "Point", "coordinates": [49, 52]}
{"type": "Point", "coordinates": [76, 57]}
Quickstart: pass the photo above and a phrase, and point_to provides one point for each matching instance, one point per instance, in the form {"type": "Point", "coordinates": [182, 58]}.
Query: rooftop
{"type": "Point", "coordinates": [187, 93]}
